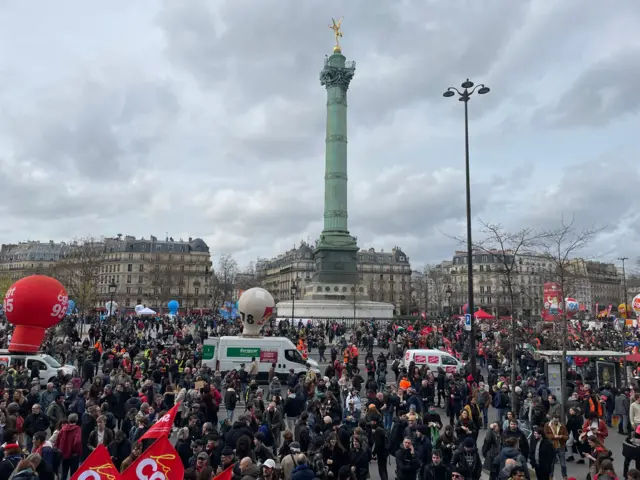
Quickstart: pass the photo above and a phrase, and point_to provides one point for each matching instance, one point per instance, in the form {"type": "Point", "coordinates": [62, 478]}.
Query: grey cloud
{"type": "Point", "coordinates": [266, 50]}
{"type": "Point", "coordinates": [101, 130]}
{"type": "Point", "coordinates": [604, 92]}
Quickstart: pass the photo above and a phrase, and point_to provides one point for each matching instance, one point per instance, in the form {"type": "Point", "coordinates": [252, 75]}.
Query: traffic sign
{"type": "Point", "coordinates": [467, 322]}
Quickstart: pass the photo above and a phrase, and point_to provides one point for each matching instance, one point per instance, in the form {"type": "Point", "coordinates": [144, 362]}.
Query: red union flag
{"type": "Point", "coordinates": [163, 425]}
{"type": "Point", "coordinates": [97, 466]}
{"type": "Point", "coordinates": [226, 475]}
{"type": "Point", "coordinates": [159, 462]}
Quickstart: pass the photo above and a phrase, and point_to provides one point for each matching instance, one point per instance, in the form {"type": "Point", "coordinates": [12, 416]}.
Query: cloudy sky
{"type": "Point", "coordinates": [206, 118]}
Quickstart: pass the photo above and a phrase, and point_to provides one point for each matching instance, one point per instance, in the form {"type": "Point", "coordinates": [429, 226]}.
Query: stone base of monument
{"type": "Point", "coordinates": [334, 309]}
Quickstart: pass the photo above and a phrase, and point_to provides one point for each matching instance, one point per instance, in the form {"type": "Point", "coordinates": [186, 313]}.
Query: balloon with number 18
{"type": "Point", "coordinates": [34, 304]}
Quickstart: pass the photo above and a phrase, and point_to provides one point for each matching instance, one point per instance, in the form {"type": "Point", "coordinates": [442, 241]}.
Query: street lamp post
{"type": "Point", "coordinates": [449, 293]}
{"type": "Point", "coordinates": [112, 289]}
{"type": "Point", "coordinates": [294, 292]}
{"type": "Point", "coordinates": [623, 327]}
{"type": "Point", "coordinates": [468, 90]}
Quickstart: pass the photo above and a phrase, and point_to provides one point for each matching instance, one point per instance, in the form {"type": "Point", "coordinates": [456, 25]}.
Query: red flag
{"type": "Point", "coordinates": [162, 426]}
{"type": "Point", "coordinates": [226, 475]}
{"type": "Point", "coordinates": [159, 461]}
{"type": "Point", "coordinates": [97, 466]}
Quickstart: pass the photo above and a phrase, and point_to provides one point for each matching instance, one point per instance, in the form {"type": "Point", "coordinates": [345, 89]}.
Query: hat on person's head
{"type": "Point", "coordinates": [227, 452]}
{"type": "Point", "coordinates": [318, 441]}
{"type": "Point", "coordinates": [294, 447]}
{"type": "Point", "coordinates": [469, 443]}
{"type": "Point", "coordinates": [269, 463]}
{"type": "Point", "coordinates": [423, 429]}
{"type": "Point", "coordinates": [259, 436]}
{"type": "Point", "coordinates": [470, 378]}
{"type": "Point", "coordinates": [203, 456]}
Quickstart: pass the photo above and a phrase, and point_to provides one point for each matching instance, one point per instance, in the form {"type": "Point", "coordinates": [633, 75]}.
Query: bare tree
{"type": "Point", "coordinates": [5, 283]}
{"type": "Point", "coordinates": [247, 278]}
{"type": "Point", "coordinates": [162, 278]}
{"type": "Point", "coordinates": [79, 271]}
{"type": "Point", "coordinates": [506, 249]}
{"type": "Point", "coordinates": [225, 274]}
{"type": "Point", "coordinates": [437, 281]}
{"type": "Point", "coordinates": [560, 246]}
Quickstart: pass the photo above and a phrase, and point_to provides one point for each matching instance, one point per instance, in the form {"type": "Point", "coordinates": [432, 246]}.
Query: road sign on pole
{"type": "Point", "coordinates": [467, 322]}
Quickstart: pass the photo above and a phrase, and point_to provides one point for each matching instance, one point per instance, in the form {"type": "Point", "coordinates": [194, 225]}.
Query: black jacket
{"type": "Point", "coordinates": [237, 430]}
{"type": "Point", "coordinates": [407, 464]}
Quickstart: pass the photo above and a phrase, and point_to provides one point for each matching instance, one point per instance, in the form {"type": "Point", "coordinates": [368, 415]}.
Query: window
{"type": "Point", "coordinates": [180, 290]}
{"type": "Point", "coordinates": [41, 365]}
{"type": "Point", "coordinates": [448, 360]}
{"type": "Point", "coordinates": [130, 257]}
{"type": "Point", "coordinates": [127, 302]}
{"type": "Point", "coordinates": [141, 267]}
{"type": "Point", "coordinates": [140, 278]}
{"type": "Point", "coordinates": [128, 289]}
{"type": "Point", "coordinates": [197, 292]}
{"type": "Point", "coordinates": [118, 269]}
{"type": "Point", "coordinates": [130, 268]}
{"type": "Point", "coordinates": [139, 290]}
{"type": "Point", "coordinates": [293, 356]}
{"type": "Point", "coordinates": [128, 278]}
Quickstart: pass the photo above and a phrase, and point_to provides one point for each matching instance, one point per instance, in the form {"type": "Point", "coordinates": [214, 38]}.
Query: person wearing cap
{"type": "Point", "coordinates": [466, 460]}
{"type": "Point", "coordinates": [227, 459]}
{"type": "Point", "coordinates": [288, 462]}
{"type": "Point", "coordinates": [268, 470]}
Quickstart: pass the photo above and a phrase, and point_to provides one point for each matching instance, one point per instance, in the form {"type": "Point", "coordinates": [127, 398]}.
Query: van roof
{"type": "Point", "coordinates": [426, 350]}
{"type": "Point", "coordinates": [7, 352]}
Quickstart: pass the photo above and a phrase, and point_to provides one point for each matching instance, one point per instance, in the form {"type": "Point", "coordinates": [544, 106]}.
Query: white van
{"type": "Point", "coordinates": [47, 365]}
{"type": "Point", "coordinates": [228, 353]}
{"type": "Point", "coordinates": [434, 359]}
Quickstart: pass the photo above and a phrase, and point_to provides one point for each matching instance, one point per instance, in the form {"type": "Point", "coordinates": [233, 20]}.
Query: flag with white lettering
{"type": "Point", "coordinates": [158, 462]}
{"type": "Point", "coordinates": [163, 426]}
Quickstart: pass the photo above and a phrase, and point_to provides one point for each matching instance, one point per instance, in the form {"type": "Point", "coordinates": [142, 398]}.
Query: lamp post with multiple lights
{"type": "Point", "coordinates": [294, 292]}
{"type": "Point", "coordinates": [468, 89]}
{"type": "Point", "coordinates": [112, 289]}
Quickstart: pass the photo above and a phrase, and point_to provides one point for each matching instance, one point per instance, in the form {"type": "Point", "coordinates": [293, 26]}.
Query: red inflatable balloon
{"type": "Point", "coordinates": [34, 304]}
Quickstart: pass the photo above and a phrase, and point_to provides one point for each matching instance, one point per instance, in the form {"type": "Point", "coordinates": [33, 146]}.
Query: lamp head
{"type": "Point", "coordinates": [468, 84]}
{"type": "Point", "coordinates": [448, 94]}
{"type": "Point", "coordinates": [483, 90]}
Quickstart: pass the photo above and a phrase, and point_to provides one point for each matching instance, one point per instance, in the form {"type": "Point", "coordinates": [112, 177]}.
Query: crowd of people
{"type": "Point", "coordinates": [364, 411]}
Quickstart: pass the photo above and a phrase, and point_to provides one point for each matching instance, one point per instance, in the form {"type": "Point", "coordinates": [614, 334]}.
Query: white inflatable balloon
{"type": "Point", "coordinates": [111, 308]}
{"type": "Point", "coordinates": [255, 307]}
{"type": "Point", "coordinates": [139, 308]}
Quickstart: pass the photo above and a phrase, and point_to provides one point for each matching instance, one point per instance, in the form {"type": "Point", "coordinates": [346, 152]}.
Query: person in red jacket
{"type": "Point", "coordinates": [69, 442]}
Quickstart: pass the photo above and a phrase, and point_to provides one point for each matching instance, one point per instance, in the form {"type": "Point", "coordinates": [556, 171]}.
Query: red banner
{"type": "Point", "coordinates": [97, 466]}
{"type": "Point", "coordinates": [552, 301]}
{"type": "Point", "coordinates": [226, 475]}
{"type": "Point", "coordinates": [163, 426]}
{"type": "Point", "coordinates": [160, 461]}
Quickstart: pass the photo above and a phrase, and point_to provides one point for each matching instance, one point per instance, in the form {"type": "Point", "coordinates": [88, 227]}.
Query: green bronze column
{"type": "Point", "coordinates": [336, 253]}
{"type": "Point", "coordinates": [336, 76]}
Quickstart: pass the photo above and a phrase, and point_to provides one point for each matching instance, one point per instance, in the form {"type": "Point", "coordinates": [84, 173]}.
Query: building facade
{"type": "Point", "coordinates": [588, 282]}
{"type": "Point", "coordinates": [28, 258]}
{"type": "Point", "coordinates": [152, 272]}
{"type": "Point", "coordinates": [145, 271]}
{"type": "Point", "coordinates": [386, 275]}
{"type": "Point", "coordinates": [491, 292]}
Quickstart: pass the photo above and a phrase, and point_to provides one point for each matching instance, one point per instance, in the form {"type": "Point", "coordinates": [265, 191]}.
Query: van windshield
{"type": "Point", "coordinates": [52, 362]}
{"type": "Point", "coordinates": [294, 356]}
